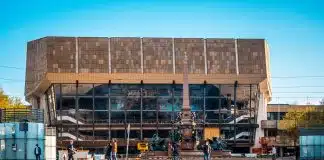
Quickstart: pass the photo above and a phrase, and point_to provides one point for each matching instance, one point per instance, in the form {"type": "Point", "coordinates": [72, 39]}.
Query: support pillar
{"type": "Point", "coordinates": [141, 92]}
{"type": "Point", "coordinates": [235, 90]}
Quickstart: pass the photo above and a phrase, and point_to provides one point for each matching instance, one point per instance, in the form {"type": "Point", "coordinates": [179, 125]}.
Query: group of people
{"type": "Point", "coordinates": [207, 150]}
{"type": "Point", "coordinates": [111, 151]}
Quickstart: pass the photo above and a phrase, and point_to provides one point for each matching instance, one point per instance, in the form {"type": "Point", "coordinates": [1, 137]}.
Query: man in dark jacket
{"type": "Point", "coordinates": [71, 150]}
{"type": "Point", "coordinates": [108, 151]}
{"type": "Point", "coordinates": [37, 152]}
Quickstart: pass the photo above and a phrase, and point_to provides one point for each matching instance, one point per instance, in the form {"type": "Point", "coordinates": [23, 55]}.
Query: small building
{"type": "Point", "coordinates": [311, 143]}
{"type": "Point", "coordinates": [20, 131]}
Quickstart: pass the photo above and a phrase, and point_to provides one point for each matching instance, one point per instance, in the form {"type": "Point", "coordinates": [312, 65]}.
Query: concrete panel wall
{"type": "Point", "coordinates": [36, 63]}
{"type": "Point", "coordinates": [221, 56]}
{"type": "Point", "coordinates": [93, 55]}
{"type": "Point", "coordinates": [143, 55]}
{"type": "Point", "coordinates": [251, 55]}
{"type": "Point", "coordinates": [157, 55]}
{"type": "Point", "coordinates": [125, 55]}
{"type": "Point", "coordinates": [61, 54]}
{"type": "Point", "coordinates": [194, 48]}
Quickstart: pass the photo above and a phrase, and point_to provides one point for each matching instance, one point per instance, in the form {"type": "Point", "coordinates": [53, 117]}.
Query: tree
{"type": "Point", "coordinates": [7, 102]}
{"type": "Point", "coordinates": [13, 106]}
{"type": "Point", "coordinates": [295, 119]}
{"type": "Point", "coordinates": [321, 101]}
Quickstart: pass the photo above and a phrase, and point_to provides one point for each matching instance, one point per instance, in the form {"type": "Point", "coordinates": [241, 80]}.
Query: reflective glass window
{"type": "Point", "coordinates": [119, 90]}
{"type": "Point", "coordinates": [302, 140]}
{"type": "Point", "coordinates": [102, 117]}
{"type": "Point", "coordinates": [118, 103]}
{"type": "Point", "coordinates": [101, 103]}
{"type": "Point", "coordinates": [85, 103]}
{"type": "Point", "coordinates": [303, 151]}
{"type": "Point", "coordinates": [85, 89]}
{"type": "Point", "coordinates": [317, 151]}
{"type": "Point", "coordinates": [133, 116]}
{"type": "Point", "coordinates": [165, 117]}
{"type": "Point", "coordinates": [149, 116]}
{"type": "Point", "coordinates": [133, 103]}
{"type": "Point", "coordinates": [118, 117]}
{"type": "Point", "coordinates": [197, 103]}
{"type": "Point", "coordinates": [68, 103]}
{"type": "Point", "coordinates": [322, 150]}
{"type": "Point", "coordinates": [164, 103]}
{"type": "Point", "coordinates": [150, 103]}
{"type": "Point", "coordinates": [101, 89]}
{"type": "Point", "coordinates": [317, 140]}
{"type": "Point", "coordinates": [310, 140]}
{"type": "Point", "coordinates": [310, 151]}
{"type": "Point", "coordinates": [68, 89]}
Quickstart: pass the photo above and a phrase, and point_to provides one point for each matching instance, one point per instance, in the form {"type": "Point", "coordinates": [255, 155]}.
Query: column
{"type": "Point", "coordinates": [141, 92]}
{"type": "Point", "coordinates": [77, 108]}
{"type": "Point", "coordinates": [109, 110]}
{"type": "Point", "coordinates": [93, 109]}
{"type": "Point", "coordinates": [235, 90]}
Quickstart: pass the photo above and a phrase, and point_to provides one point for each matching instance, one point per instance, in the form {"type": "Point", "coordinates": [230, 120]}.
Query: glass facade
{"type": "Point", "coordinates": [311, 147]}
{"type": "Point", "coordinates": [102, 111]}
{"type": "Point", "coordinates": [276, 115]}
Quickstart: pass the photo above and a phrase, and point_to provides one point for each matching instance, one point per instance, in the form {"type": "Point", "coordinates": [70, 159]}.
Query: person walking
{"type": "Point", "coordinates": [114, 150]}
{"type": "Point", "coordinates": [206, 150]}
{"type": "Point", "coordinates": [108, 151]}
{"type": "Point", "coordinates": [71, 150]}
{"type": "Point", "coordinates": [37, 152]}
{"type": "Point", "coordinates": [175, 152]}
{"type": "Point", "coordinates": [274, 152]}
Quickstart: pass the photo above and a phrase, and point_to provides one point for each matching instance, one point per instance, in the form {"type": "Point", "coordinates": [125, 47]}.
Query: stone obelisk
{"type": "Point", "coordinates": [186, 116]}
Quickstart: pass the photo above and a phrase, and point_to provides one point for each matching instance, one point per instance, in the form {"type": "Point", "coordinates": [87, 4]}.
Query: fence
{"type": "Point", "coordinates": [21, 114]}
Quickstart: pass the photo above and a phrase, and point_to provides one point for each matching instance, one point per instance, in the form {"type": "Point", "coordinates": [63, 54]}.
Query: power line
{"type": "Point", "coordinates": [297, 92]}
{"type": "Point", "coordinates": [298, 87]}
{"type": "Point", "coordinates": [310, 97]}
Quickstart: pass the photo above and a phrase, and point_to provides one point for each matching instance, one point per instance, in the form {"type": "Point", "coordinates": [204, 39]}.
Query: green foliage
{"type": "Point", "coordinates": [175, 136]}
{"type": "Point", "coordinates": [307, 118]}
{"type": "Point", "coordinates": [13, 106]}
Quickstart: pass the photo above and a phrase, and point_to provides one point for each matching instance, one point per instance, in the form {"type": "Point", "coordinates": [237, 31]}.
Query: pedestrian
{"type": "Point", "coordinates": [174, 149]}
{"type": "Point", "coordinates": [206, 150]}
{"type": "Point", "coordinates": [114, 150]}
{"type": "Point", "coordinates": [274, 152]}
{"type": "Point", "coordinates": [37, 152]}
{"type": "Point", "coordinates": [108, 151]}
{"type": "Point", "coordinates": [71, 150]}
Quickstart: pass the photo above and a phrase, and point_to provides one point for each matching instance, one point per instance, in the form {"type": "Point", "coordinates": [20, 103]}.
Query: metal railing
{"type": "Point", "coordinates": [21, 114]}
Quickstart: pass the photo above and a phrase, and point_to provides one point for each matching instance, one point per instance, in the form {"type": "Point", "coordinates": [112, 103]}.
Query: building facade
{"type": "Point", "coordinates": [91, 88]}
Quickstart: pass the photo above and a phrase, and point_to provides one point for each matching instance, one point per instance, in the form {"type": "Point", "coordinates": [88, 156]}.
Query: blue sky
{"type": "Point", "coordinates": [293, 29]}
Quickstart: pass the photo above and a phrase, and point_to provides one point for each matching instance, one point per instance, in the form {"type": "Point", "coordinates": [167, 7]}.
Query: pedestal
{"type": "Point", "coordinates": [186, 127]}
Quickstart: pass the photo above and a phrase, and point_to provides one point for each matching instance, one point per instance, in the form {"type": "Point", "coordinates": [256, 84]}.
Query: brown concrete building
{"type": "Point", "coordinates": [91, 87]}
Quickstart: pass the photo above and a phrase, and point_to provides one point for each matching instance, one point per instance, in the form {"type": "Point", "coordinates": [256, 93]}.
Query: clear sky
{"type": "Point", "coordinates": [293, 29]}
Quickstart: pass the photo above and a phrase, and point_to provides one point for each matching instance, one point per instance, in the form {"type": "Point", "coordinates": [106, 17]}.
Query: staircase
{"type": "Point", "coordinates": [240, 135]}
{"type": "Point", "coordinates": [69, 135]}
{"type": "Point", "coordinates": [240, 118]}
{"type": "Point", "coordinates": [69, 118]}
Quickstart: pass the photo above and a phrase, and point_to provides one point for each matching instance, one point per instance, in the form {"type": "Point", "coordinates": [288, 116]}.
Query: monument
{"type": "Point", "coordinates": [186, 125]}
